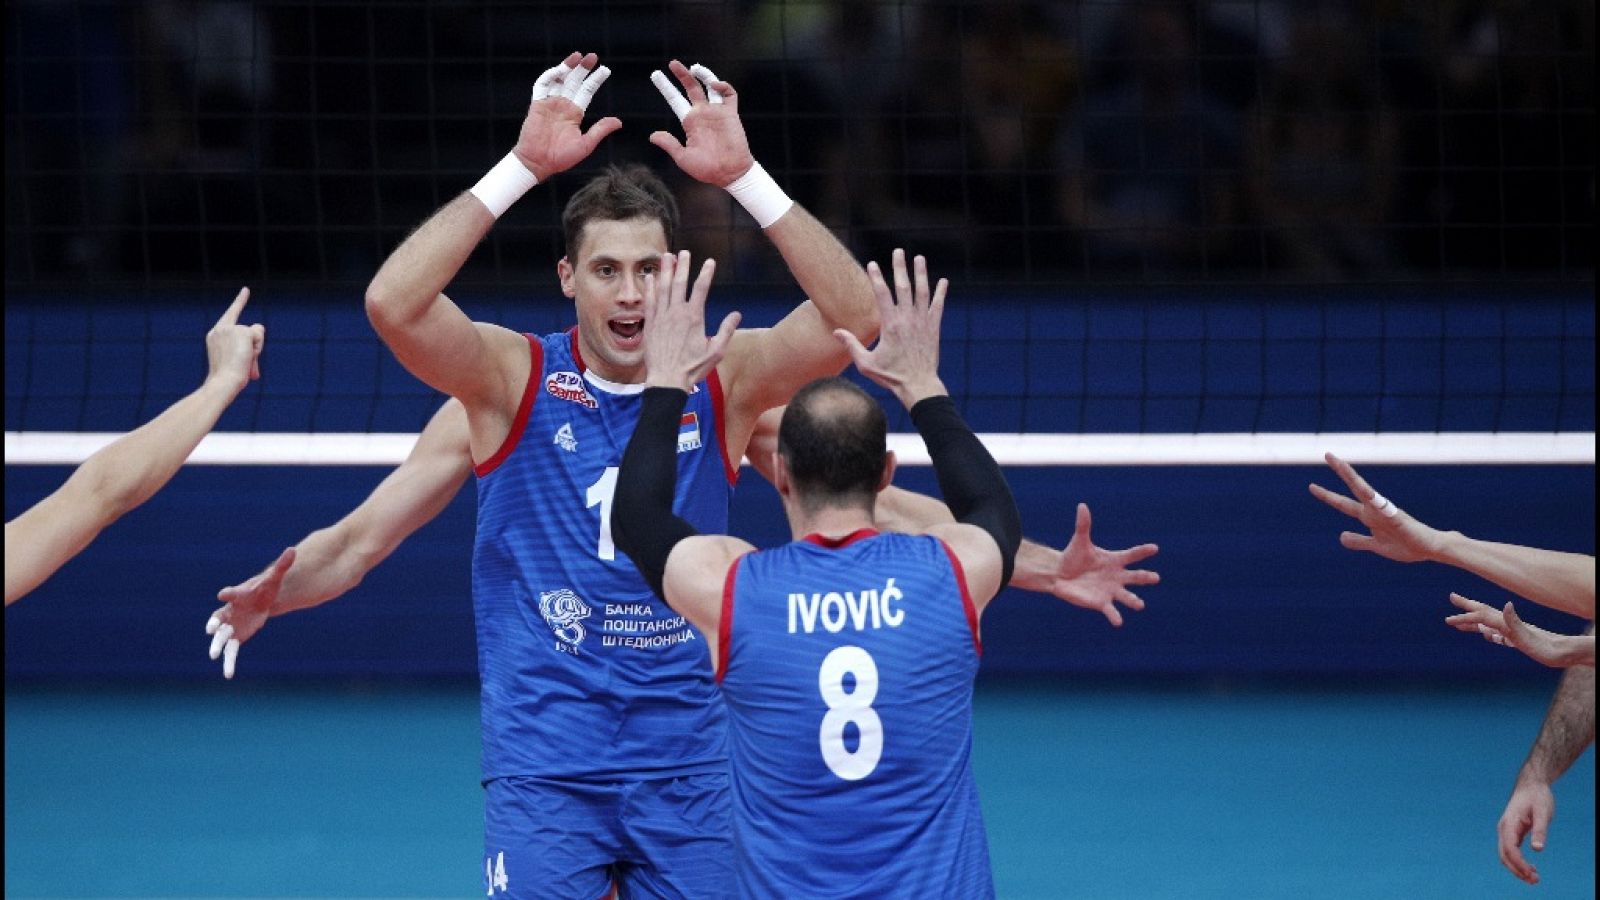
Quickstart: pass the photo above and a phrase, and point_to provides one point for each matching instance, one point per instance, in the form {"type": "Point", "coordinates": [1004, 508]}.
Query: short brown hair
{"type": "Point", "coordinates": [618, 194]}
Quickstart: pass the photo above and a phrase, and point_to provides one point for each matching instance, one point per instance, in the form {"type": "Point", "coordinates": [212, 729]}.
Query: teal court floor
{"type": "Point", "coordinates": [1102, 790]}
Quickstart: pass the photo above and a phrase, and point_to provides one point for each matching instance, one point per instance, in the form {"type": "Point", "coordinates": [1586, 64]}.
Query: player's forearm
{"type": "Point", "coordinates": [827, 272]}
{"type": "Point", "coordinates": [328, 563]}
{"type": "Point", "coordinates": [1563, 581]}
{"type": "Point", "coordinates": [1036, 567]}
{"type": "Point", "coordinates": [1568, 728]}
{"type": "Point", "coordinates": [1577, 650]}
{"type": "Point", "coordinates": [973, 486]}
{"type": "Point", "coordinates": [131, 469]}
{"type": "Point", "coordinates": [415, 275]}
{"type": "Point", "coordinates": [643, 524]}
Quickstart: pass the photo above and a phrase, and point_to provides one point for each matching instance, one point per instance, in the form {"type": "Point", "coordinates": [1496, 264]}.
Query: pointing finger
{"type": "Point", "coordinates": [231, 315]}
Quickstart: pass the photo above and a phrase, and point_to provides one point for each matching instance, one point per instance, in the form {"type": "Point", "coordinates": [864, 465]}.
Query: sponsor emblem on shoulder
{"type": "Point", "coordinates": [565, 440]}
{"type": "Point", "coordinates": [688, 433]}
{"type": "Point", "coordinates": [564, 612]}
{"type": "Point", "coordinates": [568, 386]}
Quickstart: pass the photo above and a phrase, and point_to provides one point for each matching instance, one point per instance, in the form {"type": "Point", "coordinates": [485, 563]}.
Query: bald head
{"type": "Point", "coordinates": [833, 438]}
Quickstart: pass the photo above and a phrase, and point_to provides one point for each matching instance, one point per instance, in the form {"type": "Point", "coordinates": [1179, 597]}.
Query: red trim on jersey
{"type": "Point", "coordinates": [535, 370]}
{"type": "Point", "coordinates": [966, 596]}
{"type": "Point", "coordinates": [577, 354]}
{"type": "Point", "coordinates": [859, 534]}
{"type": "Point", "coordinates": [730, 467]}
{"type": "Point", "coordinates": [725, 627]}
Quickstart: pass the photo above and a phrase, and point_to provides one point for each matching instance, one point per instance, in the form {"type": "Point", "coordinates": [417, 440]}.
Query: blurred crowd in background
{"type": "Point", "coordinates": [1017, 142]}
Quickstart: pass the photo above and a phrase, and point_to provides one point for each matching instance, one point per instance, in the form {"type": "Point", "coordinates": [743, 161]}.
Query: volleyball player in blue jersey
{"type": "Point", "coordinates": [847, 657]}
{"type": "Point", "coordinates": [604, 755]}
{"type": "Point", "coordinates": [332, 560]}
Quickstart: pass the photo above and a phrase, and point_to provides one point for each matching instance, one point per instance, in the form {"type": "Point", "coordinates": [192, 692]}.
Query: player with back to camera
{"type": "Point", "coordinates": [124, 474]}
{"type": "Point", "coordinates": [1559, 580]}
{"type": "Point", "coordinates": [846, 657]}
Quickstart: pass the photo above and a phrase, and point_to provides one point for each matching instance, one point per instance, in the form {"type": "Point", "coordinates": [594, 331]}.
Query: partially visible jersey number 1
{"type": "Point", "coordinates": [600, 494]}
{"type": "Point", "coordinates": [846, 708]}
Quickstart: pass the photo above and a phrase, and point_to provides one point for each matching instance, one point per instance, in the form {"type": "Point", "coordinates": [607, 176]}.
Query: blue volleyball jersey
{"type": "Point", "coordinates": [586, 674]}
{"type": "Point", "coordinates": [847, 669]}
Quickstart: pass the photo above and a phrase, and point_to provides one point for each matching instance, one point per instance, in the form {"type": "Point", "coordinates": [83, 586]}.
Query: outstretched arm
{"type": "Point", "coordinates": [333, 560]}
{"type": "Point", "coordinates": [1508, 629]}
{"type": "Point", "coordinates": [1563, 581]}
{"type": "Point", "coordinates": [428, 333]}
{"type": "Point", "coordinates": [1083, 574]}
{"type": "Point", "coordinates": [131, 469]}
{"type": "Point", "coordinates": [1567, 731]}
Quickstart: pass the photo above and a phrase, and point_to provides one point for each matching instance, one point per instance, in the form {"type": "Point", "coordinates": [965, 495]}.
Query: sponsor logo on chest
{"type": "Point", "coordinates": [565, 440]}
{"type": "Point", "coordinates": [569, 386]}
{"type": "Point", "coordinates": [564, 611]}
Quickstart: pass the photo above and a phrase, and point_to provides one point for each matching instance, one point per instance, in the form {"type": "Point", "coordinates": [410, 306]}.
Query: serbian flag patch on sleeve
{"type": "Point", "coordinates": [688, 432]}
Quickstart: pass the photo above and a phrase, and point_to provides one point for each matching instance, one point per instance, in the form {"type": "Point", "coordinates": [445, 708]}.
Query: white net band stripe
{"type": "Point", "coordinates": [1386, 448]}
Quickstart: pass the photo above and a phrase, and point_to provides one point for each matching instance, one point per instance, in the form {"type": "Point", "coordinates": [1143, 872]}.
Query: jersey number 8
{"type": "Point", "coordinates": [845, 708]}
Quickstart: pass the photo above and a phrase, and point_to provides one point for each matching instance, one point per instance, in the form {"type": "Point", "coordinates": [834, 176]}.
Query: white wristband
{"type": "Point", "coordinates": [760, 196]}
{"type": "Point", "coordinates": [504, 184]}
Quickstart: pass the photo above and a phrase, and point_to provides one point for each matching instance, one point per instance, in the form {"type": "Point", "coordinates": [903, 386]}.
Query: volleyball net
{"type": "Point", "coordinates": [1178, 231]}
{"type": "Point", "coordinates": [1047, 380]}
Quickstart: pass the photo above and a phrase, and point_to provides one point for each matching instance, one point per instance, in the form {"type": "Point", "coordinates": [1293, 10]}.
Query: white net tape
{"type": "Point", "coordinates": [1388, 448]}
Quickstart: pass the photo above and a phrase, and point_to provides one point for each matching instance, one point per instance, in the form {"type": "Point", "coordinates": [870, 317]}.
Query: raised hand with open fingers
{"type": "Point", "coordinates": [715, 149]}
{"type": "Point", "coordinates": [1092, 577]}
{"type": "Point", "coordinates": [1394, 534]}
{"type": "Point", "coordinates": [246, 608]}
{"type": "Point", "coordinates": [552, 139]}
{"type": "Point", "coordinates": [677, 352]}
{"type": "Point", "coordinates": [906, 357]}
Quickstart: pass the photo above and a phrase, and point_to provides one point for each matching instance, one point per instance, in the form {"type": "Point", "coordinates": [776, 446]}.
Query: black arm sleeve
{"type": "Point", "coordinates": [970, 479]}
{"type": "Point", "coordinates": [642, 523]}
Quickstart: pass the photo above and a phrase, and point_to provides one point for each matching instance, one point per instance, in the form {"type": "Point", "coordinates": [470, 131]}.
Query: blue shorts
{"type": "Point", "coordinates": [664, 838]}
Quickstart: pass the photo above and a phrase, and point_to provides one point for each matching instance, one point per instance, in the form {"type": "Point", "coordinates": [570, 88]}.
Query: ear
{"type": "Point", "coordinates": [780, 474]}
{"type": "Point", "coordinates": [889, 464]}
{"type": "Point", "coordinates": [568, 278]}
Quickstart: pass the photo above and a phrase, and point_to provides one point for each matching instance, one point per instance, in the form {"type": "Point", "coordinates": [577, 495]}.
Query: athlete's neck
{"type": "Point", "coordinates": [828, 522]}
{"type": "Point", "coordinates": [600, 366]}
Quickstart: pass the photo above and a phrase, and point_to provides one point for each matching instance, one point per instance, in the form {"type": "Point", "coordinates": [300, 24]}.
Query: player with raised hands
{"type": "Point", "coordinates": [604, 749]}
{"type": "Point", "coordinates": [885, 626]}
{"type": "Point", "coordinates": [127, 472]}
